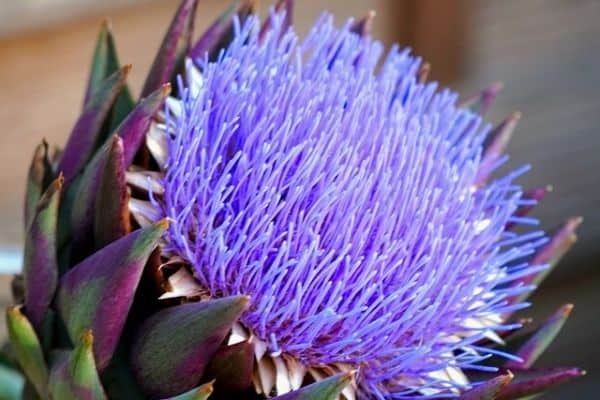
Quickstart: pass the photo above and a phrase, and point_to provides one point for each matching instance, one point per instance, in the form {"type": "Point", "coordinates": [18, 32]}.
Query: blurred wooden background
{"type": "Point", "coordinates": [547, 52]}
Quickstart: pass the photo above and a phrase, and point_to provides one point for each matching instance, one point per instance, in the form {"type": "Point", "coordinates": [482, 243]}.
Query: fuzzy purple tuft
{"type": "Point", "coordinates": [343, 196]}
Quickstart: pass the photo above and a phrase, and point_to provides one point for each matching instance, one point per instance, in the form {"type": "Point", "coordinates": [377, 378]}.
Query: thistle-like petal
{"type": "Point", "coordinates": [111, 209]}
{"type": "Point", "coordinates": [27, 349]}
{"type": "Point", "coordinates": [38, 178]}
{"type": "Point", "coordinates": [86, 134]}
{"type": "Point", "coordinates": [134, 128]}
{"type": "Point", "coordinates": [98, 292]}
{"type": "Point", "coordinates": [173, 49]}
{"type": "Point", "coordinates": [40, 266]}
{"type": "Point", "coordinates": [326, 389]}
{"type": "Point", "coordinates": [530, 382]}
{"type": "Point", "coordinates": [84, 205]}
{"type": "Point", "coordinates": [173, 347]}
{"type": "Point", "coordinates": [231, 367]}
{"type": "Point", "coordinates": [105, 62]}
{"type": "Point", "coordinates": [533, 348]}
{"type": "Point", "coordinates": [74, 375]}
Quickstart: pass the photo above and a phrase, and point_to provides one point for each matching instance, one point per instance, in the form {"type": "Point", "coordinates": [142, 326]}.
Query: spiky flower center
{"type": "Point", "coordinates": [346, 199]}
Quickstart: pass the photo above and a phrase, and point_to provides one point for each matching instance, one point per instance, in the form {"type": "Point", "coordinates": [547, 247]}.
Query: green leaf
{"type": "Point", "coordinates": [75, 376]}
{"type": "Point", "coordinates": [134, 128]}
{"type": "Point", "coordinates": [27, 348]}
{"type": "Point", "coordinates": [83, 210]}
{"type": "Point", "coordinates": [105, 62]}
{"type": "Point", "coordinates": [173, 347]}
{"type": "Point", "coordinates": [123, 106]}
{"type": "Point", "coordinates": [40, 266]}
{"type": "Point", "coordinates": [86, 135]}
{"type": "Point", "coordinates": [111, 211]}
{"type": "Point", "coordinates": [173, 48]}
{"type": "Point", "coordinates": [326, 389]}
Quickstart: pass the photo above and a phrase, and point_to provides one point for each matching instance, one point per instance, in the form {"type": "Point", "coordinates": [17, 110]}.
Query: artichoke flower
{"type": "Point", "coordinates": [280, 217]}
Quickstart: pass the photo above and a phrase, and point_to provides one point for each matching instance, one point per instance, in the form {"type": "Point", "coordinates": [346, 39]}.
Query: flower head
{"type": "Point", "coordinates": [350, 200]}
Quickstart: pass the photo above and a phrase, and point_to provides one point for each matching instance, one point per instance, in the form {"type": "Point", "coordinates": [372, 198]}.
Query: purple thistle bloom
{"type": "Point", "coordinates": [345, 198]}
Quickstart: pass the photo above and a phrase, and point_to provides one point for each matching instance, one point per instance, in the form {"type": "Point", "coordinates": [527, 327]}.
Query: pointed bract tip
{"type": "Point", "coordinates": [116, 139]}
{"type": "Point", "coordinates": [495, 88]}
{"type": "Point", "coordinates": [87, 338]}
{"type": "Point", "coordinates": [208, 387]}
{"type": "Point", "coordinates": [163, 224]}
{"type": "Point", "coordinates": [349, 376]}
{"type": "Point", "coordinates": [515, 116]}
{"type": "Point", "coordinates": [14, 311]}
{"type": "Point", "coordinates": [423, 72]}
{"type": "Point", "coordinates": [165, 89]}
{"type": "Point", "coordinates": [574, 222]}
{"type": "Point", "coordinates": [126, 69]}
{"type": "Point", "coordinates": [106, 24]}
{"type": "Point", "coordinates": [55, 187]}
{"type": "Point", "coordinates": [566, 309]}
{"type": "Point", "coordinates": [364, 25]}
{"type": "Point", "coordinates": [244, 301]}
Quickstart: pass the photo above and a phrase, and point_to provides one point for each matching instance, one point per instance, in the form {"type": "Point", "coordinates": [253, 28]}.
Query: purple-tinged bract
{"type": "Point", "coordinates": [342, 196]}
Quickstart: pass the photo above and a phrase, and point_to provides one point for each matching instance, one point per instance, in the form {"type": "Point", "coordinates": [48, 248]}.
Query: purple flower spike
{"type": "Point", "coordinates": [341, 193]}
